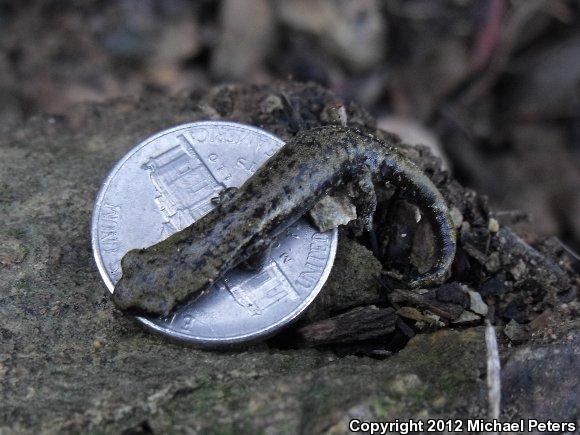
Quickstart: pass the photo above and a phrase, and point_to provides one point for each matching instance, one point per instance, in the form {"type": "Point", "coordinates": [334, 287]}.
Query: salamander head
{"type": "Point", "coordinates": [147, 292]}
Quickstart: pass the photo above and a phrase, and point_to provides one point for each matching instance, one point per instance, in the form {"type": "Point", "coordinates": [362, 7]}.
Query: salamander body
{"type": "Point", "coordinates": [315, 163]}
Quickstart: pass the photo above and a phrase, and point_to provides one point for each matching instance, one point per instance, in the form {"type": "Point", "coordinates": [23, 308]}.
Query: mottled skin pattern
{"type": "Point", "coordinates": [314, 163]}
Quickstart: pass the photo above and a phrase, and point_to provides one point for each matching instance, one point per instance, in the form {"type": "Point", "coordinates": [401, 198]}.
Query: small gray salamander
{"type": "Point", "coordinates": [314, 163]}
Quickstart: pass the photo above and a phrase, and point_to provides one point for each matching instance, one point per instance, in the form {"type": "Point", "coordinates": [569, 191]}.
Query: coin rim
{"type": "Point", "coordinates": [202, 341]}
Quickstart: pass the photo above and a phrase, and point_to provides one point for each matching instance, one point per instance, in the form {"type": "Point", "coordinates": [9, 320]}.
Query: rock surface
{"type": "Point", "coordinates": [70, 363]}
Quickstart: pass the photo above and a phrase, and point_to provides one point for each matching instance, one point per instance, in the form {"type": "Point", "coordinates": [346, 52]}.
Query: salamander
{"type": "Point", "coordinates": [314, 163]}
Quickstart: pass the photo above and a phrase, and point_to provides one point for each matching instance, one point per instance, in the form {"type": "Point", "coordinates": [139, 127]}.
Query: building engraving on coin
{"type": "Point", "coordinates": [263, 290]}
{"type": "Point", "coordinates": [185, 185]}
{"type": "Point", "coordinates": [167, 182]}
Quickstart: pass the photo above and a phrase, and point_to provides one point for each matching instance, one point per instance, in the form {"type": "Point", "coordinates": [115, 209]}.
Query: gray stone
{"type": "Point", "coordinates": [541, 381]}
{"type": "Point", "coordinates": [467, 317]}
{"type": "Point", "coordinates": [515, 332]}
{"type": "Point", "coordinates": [332, 211]}
{"type": "Point", "coordinates": [351, 282]}
{"type": "Point", "coordinates": [476, 304]}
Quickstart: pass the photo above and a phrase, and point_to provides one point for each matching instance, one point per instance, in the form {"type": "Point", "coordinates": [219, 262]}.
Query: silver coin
{"type": "Point", "coordinates": [166, 183]}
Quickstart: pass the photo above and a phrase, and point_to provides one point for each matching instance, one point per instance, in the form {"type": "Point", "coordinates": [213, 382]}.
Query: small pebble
{"type": "Point", "coordinates": [467, 317]}
{"type": "Point", "coordinates": [476, 304]}
{"type": "Point", "coordinates": [493, 225]}
{"type": "Point", "coordinates": [456, 217]}
{"type": "Point", "coordinates": [271, 103]}
{"type": "Point", "coordinates": [519, 270]}
{"type": "Point", "coordinates": [98, 345]}
{"type": "Point", "coordinates": [332, 211]}
{"type": "Point", "coordinates": [515, 332]}
{"type": "Point", "coordinates": [493, 263]}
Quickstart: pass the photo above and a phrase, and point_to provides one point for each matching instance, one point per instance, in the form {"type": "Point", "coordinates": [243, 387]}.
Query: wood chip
{"type": "Point", "coordinates": [362, 323]}
{"type": "Point", "coordinates": [427, 301]}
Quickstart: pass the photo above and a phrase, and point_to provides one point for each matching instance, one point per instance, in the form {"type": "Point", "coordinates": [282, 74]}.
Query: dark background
{"type": "Point", "coordinates": [492, 85]}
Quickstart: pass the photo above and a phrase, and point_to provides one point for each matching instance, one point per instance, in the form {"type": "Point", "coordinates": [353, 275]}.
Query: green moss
{"type": "Point", "coordinates": [451, 383]}
{"type": "Point", "coordinates": [7, 195]}
{"type": "Point", "coordinates": [17, 233]}
{"type": "Point", "coordinates": [237, 427]}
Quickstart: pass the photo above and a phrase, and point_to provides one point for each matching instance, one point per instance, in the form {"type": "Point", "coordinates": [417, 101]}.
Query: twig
{"type": "Point", "coordinates": [568, 250]}
{"type": "Point", "coordinates": [477, 81]}
{"type": "Point", "coordinates": [490, 34]}
{"type": "Point", "coordinates": [493, 371]}
{"type": "Point", "coordinates": [523, 12]}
